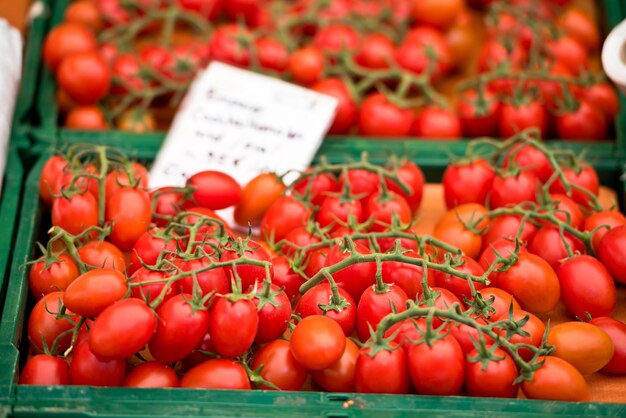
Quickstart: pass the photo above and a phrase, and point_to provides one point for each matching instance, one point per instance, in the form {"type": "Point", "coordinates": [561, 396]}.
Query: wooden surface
{"type": "Point", "coordinates": [15, 11]}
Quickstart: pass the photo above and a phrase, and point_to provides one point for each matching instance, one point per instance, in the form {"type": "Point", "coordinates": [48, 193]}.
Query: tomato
{"type": "Point", "coordinates": [249, 275]}
{"type": "Point", "coordinates": [334, 38]}
{"type": "Point", "coordinates": [533, 326]}
{"type": "Point", "coordinates": [346, 110]}
{"type": "Point", "coordinates": [136, 174]}
{"type": "Point", "coordinates": [379, 117]}
{"type": "Point", "coordinates": [466, 335]}
{"type": "Point", "coordinates": [551, 92]}
{"type": "Point", "coordinates": [602, 96]}
{"type": "Point", "coordinates": [467, 182]}
{"type": "Point", "coordinates": [586, 178]}
{"type": "Point", "coordinates": [507, 227]}
{"type": "Point", "coordinates": [469, 213]}
{"type": "Point", "coordinates": [557, 380]}
{"type": "Point", "coordinates": [317, 342]}
{"type": "Point", "coordinates": [256, 198]}
{"type": "Point", "coordinates": [89, 370]}
{"type": "Point", "coordinates": [549, 245]}
{"type": "Point", "coordinates": [215, 190]}
{"type": "Point", "coordinates": [271, 54]}
{"type": "Point", "coordinates": [407, 332]}
{"type": "Point", "coordinates": [384, 372]}
{"type": "Point", "coordinates": [166, 203]}
{"type": "Point", "coordinates": [443, 300]}
{"type": "Point", "coordinates": [148, 247]}
{"type": "Point", "coordinates": [462, 39]}
{"type": "Point", "coordinates": [44, 328]}
{"type": "Point", "coordinates": [530, 159]}
{"type": "Point", "coordinates": [78, 181]}
{"type": "Point", "coordinates": [298, 239]}
{"type": "Point", "coordinates": [209, 9]}
{"type": "Point", "coordinates": [436, 12]}
{"type": "Point", "coordinates": [93, 291]}
{"type": "Point", "coordinates": [180, 329]}
{"type": "Point", "coordinates": [584, 123]}
{"type": "Point", "coordinates": [122, 329]}
{"type": "Point", "coordinates": [412, 176]}
{"type": "Point", "coordinates": [310, 301]}
{"type": "Point", "coordinates": [388, 211]}
{"type": "Point", "coordinates": [496, 380]}
{"type": "Point", "coordinates": [511, 190]}
{"type": "Point", "coordinates": [457, 285]}
{"type": "Point", "coordinates": [246, 9]}
{"type": "Point", "coordinates": [437, 123]}
{"type": "Point", "coordinates": [375, 51]}
{"type": "Point", "coordinates": [274, 311]}
{"type": "Point", "coordinates": [130, 212]}
{"type": "Point", "coordinates": [306, 65]}
{"type": "Point", "coordinates": [609, 218]}
{"type": "Point", "coordinates": [583, 345]}
{"type": "Point", "coordinates": [84, 76]}
{"type": "Point", "coordinates": [126, 73]}
{"type": "Point", "coordinates": [45, 369]}
{"type": "Point", "coordinates": [56, 276]}
{"type": "Point", "coordinates": [227, 315]}
{"type": "Point", "coordinates": [501, 302]}
{"type": "Point", "coordinates": [84, 12]}
{"type": "Point", "coordinates": [505, 247]}
{"type": "Point", "coordinates": [285, 277]}
{"type": "Point", "coordinates": [566, 209]}
{"type": "Point", "coordinates": [515, 119]}
{"type": "Point", "coordinates": [339, 376]}
{"type": "Point", "coordinates": [532, 282]}
{"type": "Point", "coordinates": [217, 374]}
{"type": "Point", "coordinates": [51, 171]}
{"type": "Point", "coordinates": [375, 305]}
{"type": "Point", "coordinates": [479, 113]}
{"type": "Point", "coordinates": [87, 118]}
{"type": "Point", "coordinates": [75, 214]}
{"type": "Point", "coordinates": [568, 52]}
{"type": "Point", "coordinates": [408, 277]}
{"type": "Point", "coordinates": [458, 235]}
{"type": "Point", "coordinates": [102, 254]}
{"type": "Point", "coordinates": [581, 27]}
{"type": "Point", "coordinates": [315, 188]}
{"type": "Point", "coordinates": [151, 375]}
{"type": "Point", "coordinates": [424, 50]}
{"type": "Point", "coordinates": [611, 252]}
{"type": "Point", "coordinates": [356, 278]}
{"type": "Point", "coordinates": [437, 369]}
{"type": "Point", "coordinates": [617, 331]}
{"type": "Point", "coordinates": [495, 55]}
{"type": "Point", "coordinates": [225, 46]}
{"type": "Point", "coordinates": [150, 292]}
{"type": "Point", "coordinates": [362, 183]}
{"type": "Point", "coordinates": [67, 39]}
{"type": "Point", "coordinates": [285, 214]}
{"type": "Point", "coordinates": [279, 366]}
{"type": "Point", "coordinates": [335, 212]}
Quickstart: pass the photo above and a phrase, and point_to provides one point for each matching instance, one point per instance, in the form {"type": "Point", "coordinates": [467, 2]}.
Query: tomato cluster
{"type": "Point", "coordinates": [397, 68]}
{"type": "Point", "coordinates": [153, 289]}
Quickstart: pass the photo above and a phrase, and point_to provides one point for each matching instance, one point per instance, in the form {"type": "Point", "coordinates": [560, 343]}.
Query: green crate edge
{"type": "Point", "coordinates": [45, 401]}
{"type": "Point", "coordinates": [48, 111]}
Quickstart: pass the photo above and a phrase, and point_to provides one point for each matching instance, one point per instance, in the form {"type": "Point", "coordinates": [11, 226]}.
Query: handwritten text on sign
{"type": "Point", "coordinates": [243, 124]}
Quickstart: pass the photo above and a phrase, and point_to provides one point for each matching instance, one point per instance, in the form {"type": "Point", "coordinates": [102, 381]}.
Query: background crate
{"type": "Point", "coordinates": [48, 130]}
{"type": "Point", "coordinates": [74, 401]}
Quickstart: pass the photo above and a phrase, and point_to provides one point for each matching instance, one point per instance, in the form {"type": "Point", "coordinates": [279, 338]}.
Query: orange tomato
{"type": "Point", "coordinates": [456, 234]}
{"type": "Point", "coordinates": [557, 380]}
{"type": "Point", "coordinates": [468, 213]}
{"type": "Point", "coordinates": [581, 27]}
{"type": "Point", "coordinates": [256, 197]}
{"type": "Point", "coordinates": [583, 345]}
{"type": "Point", "coordinates": [439, 13]}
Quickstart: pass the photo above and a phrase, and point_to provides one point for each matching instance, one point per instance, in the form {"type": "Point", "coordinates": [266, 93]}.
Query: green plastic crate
{"type": "Point", "coordinates": [49, 132]}
{"type": "Point", "coordinates": [31, 70]}
{"type": "Point", "coordinates": [75, 401]}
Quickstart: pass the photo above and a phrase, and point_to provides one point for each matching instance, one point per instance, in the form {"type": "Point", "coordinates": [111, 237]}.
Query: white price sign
{"type": "Point", "coordinates": [242, 123]}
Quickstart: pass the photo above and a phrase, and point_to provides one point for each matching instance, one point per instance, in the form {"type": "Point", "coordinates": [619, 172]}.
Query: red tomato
{"type": "Point", "coordinates": [339, 376]}
{"type": "Point", "coordinates": [413, 177]}
{"type": "Point", "coordinates": [611, 252]}
{"type": "Point", "coordinates": [375, 52]}
{"type": "Point", "coordinates": [310, 301]}
{"type": "Point", "coordinates": [501, 302]}
{"type": "Point", "coordinates": [209, 9]}
{"type": "Point", "coordinates": [166, 203]}
{"type": "Point", "coordinates": [505, 247]}
{"type": "Point", "coordinates": [375, 305]}
{"type": "Point", "coordinates": [533, 283]}
{"type": "Point", "coordinates": [407, 332]}
{"type": "Point", "coordinates": [346, 111]}
{"type": "Point", "coordinates": [151, 375]}
{"type": "Point", "coordinates": [443, 300]}
{"type": "Point", "coordinates": [530, 159]}
{"type": "Point", "coordinates": [549, 245]}
{"type": "Point", "coordinates": [465, 335]}
{"type": "Point", "coordinates": [215, 190]}
{"type": "Point", "coordinates": [457, 285]}
{"type": "Point", "coordinates": [45, 369]}
{"type": "Point", "coordinates": [602, 96]}
{"type": "Point", "coordinates": [433, 122]}
{"type": "Point", "coordinates": [285, 214]}
{"type": "Point", "coordinates": [148, 247]}
{"type": "Point", "coordinates": [586, 178]}
{"type": "Point", "coordinates": [226, 316]}
{"type": "Point", "coordinates": [52, 170]}
{"type": "Point", "coordinates": [249, 275]}
{"type": "Point", "coordinates": [384, 372]}
{"type": "Point", "coordinates": [306, 65]}
{"type": "Point", "coordinates": [356, 278]}
{"type": "Point", "coordinates": [467, 182]}
{"type": "Point", "coordinates": [93, 291]}
{"type": "Point", "coordinates": [581, 27]}
{"type": "Point", "coordinates": [57, 276]}
{"type": "Point", "coordinates": [271, 54]}
{"type": "Point", "coordinates": [150, 292]}
{"type": "Point", "coordinates": [126, 74]}
{"type": "Point", "coordinates": [84, 12]}
{"type": "Point", "coordinates": [570, 53]}
{"type": "Point", "coordinates": [87, 118]}
{"type": "Point", "coordinates": [535, 329]}
{"type": "Point", "coordinates": [514, 189]}
{"type": "Point", "coordinates": [122, 329]}
{"type": "Point", "coordinates": [379, 117]}
{"type": "Point", "coordinates": [180, 329]}
{"type": "Point", "coordinates": [508, 226]}
{"type": "Point", "coordinates": [407, 277]}
{"type": "Point", "coordinates": [317, 342]}
{"type": "Point", "coordinates": [315, 189]}
{"type": "Point", "coordinates": [515, 119]}
{"type": "Point", "coordinates": [89, 370]}
{"type": "Point", "coordinates": [437, 369]}
{"type": "Point", "coordinates": [75, 214]}
{"type": "Point", "coordinates": [118, 179]}
{"type": "Point", "coordinates": [43, 327]}
{"type": "Point", "coordinates": [256, 197]}
{"type": "Point", "coordinates": [334, 38]}
{"type": "Point", "coordinates": [129, 211]}
{"type": "Point", "coordinates": [414, 53]}
{"type": "Point", "coordinates": [362, 183]}
{"type": "Point", "coordinates": [274, 313]}
{"type": "Point", "coordinates": [609, 218]}
{"type": "Point", "coordinates": [494, 381]}
{"type": "Point", "coordinates": [557, 380]}
{"type": "Point", "coordinates": [479, 114]}
{"type": "Point", "coordinates": [440, 13]}
{"type": "Point", "coordinates": [458, 235]}
{"type": "Point", "coordinates": [217, 374]}
{"type": "Point", "coordinates": [67, 39]}
{"type": "Point", "coordinates": [617, 332]}
{"type": "Point", "coordinates": [285, 277]}
{"type": "Point", "coordinates": [388, 211]}
{"type": "Point", "coordinates": [84, 76]}
{"type": "Point", "coordinates": [279, 366]}
{"type": "Point", "coordinates": [584, 123]}
{"type": "Point", "coordinates": [226, 48]}
{"type": "Point", "coordinates": [102, 254]}
{"type": "Point", "coordinates": [567, 210]}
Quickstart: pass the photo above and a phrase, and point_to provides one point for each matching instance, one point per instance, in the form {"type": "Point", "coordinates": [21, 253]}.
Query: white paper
{"type": "Point", "coordinates": [614, 56]}
{"type": "Point", "coordinates": [10, 74]}
{"type": "Point", "coordinates": [242, 123]}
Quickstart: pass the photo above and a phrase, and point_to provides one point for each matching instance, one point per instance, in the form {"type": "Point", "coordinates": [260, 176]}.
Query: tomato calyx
{"type": "Point", "coordinates": [266, 296]}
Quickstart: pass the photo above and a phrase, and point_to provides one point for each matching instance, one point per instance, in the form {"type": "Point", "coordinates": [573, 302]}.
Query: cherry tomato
{"type": "Point", "coordinates": [515, 119]}
{"type": "Point", "coordinates": [84, 76]}
{"type": "Point", "coordinates": [617, 331]}
{"type": "Point", "coordinates": [316, 188]}
{"type": "Point", "coordinates": [501, 302]}
{"type": "Point", "coordinates": [84, 12]}
{"type": "Point", "coordinates": [437, 369]}
{"type": "Point", "coordinates": [321, 294]}
{"type": "Point", "coordinates": [414, 53]}
{"type": "Point", "coordinates": [362, 183]}
{"type": "Point", "coordinates": [535, 329]}
{"type": "Point", "coordinates": [467, 182]}
{"type": "Point", "coordinates": [75, 214]}
{"type": "Point", "coordinates": [603, 96]}
{"type": "Point", "coordinates": [504, 247]}
{"type": "Point", "coordinates": [412, 176]}
{"type": "Point", "coordinates": [249, 275]}
{"type": "Point", "coordinates": [356, 278]}
{"type": "Point", "coordinates": [584, 123]}
{"type": "Point", "coordinates": [274, 312]}
{"type": "Point", "coordinates": [513, 189]}
{"type": "Point", "coordinates": [217, 374]}
{"type": "Point", "coordinates": [557, 380]}
{"type": "Point", "coordinates": [580, 27]}
{"type": "Point", "coordinates": [95, 290]}
{"type": "Point", "coordinates": [128, 224]}
{"type": "Point", "coordinates": [570, 53]}
{"type": "Point", "coordinates": [45, 369]}
{"type": "Point", "coordinates": [87, 118]}
{"type": "Point", "coordinates": [379, 117]}
{"type": "Point", "coordinates": [57, 276]}
{"type": "Point", "coordinates": [457, 285]}
{"type": "Point", "coordinates": [375, 51]}
{"type": "Point", "coordinates": [227, 315]}
{"type": "Point", "coordinates": [148, 247]}
{"type": "Point", "coordinates": [611, 253]}
{"type": "Point", "coordinates": [215, 190]}
{"type": "Point", "coordinates": [89, 370]}
{"type": "Point", "coordinates": [550, 245]}
{"type": "Point", "coordinates": [279, 366]}
{"type": "Point", "coordinates": [67, 39]}
{"type": "Point", "coordinates": [507, 227]}
{"type": "Point", "coordinates": [608, 219]}
{"type": "Point", "coordinates": [387, 211]}
{"type": "Point", "coordinates": [52, 170]}
{"type": "Point", "coordinates": [408, 277]}
{"type": "Point", "coordinates": [126, 74]}
{"type": "Point", "coordinates": [436, 12]}
{"type": "Point", "coordinates": [256, 198]}
{"type": "Point", "coordinates": [458, 235]}
{"type": "Point", "coordinates": [226, 48]}
{"type": "Point", "coordinates": [271, 54]}
{"type": "Point", "coordinates": [479, 113]}
{"type": "Point", "coordinates": [117, 179]}
{"type": "Point", "coordinates": [496, 380]}
{"type": "Point", "coordinates": [102, 254]}
{"type": "Point", "coordinates": [151, 375]}
{"type": "Point", "coordinates": [283, 215]}
{"type": "Point", "coordinates": [383, 372]}
{"type": "Point", "coordinates": [286, 278]}
{"type": "Point", "coordinates": [151, 291]}
{"type": "Point", "coordinates": [317, 342]}
{"type": "Point", "coordinates": [306, 65]}
{"type": "Point", "coordinates": [375, 304]}
{"type": "Point", "coordinates": [437, 123]}
{"type": "Point", "coordinates": [583, 345]}
{"type": "Point", "coordinates": [44, 328]}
